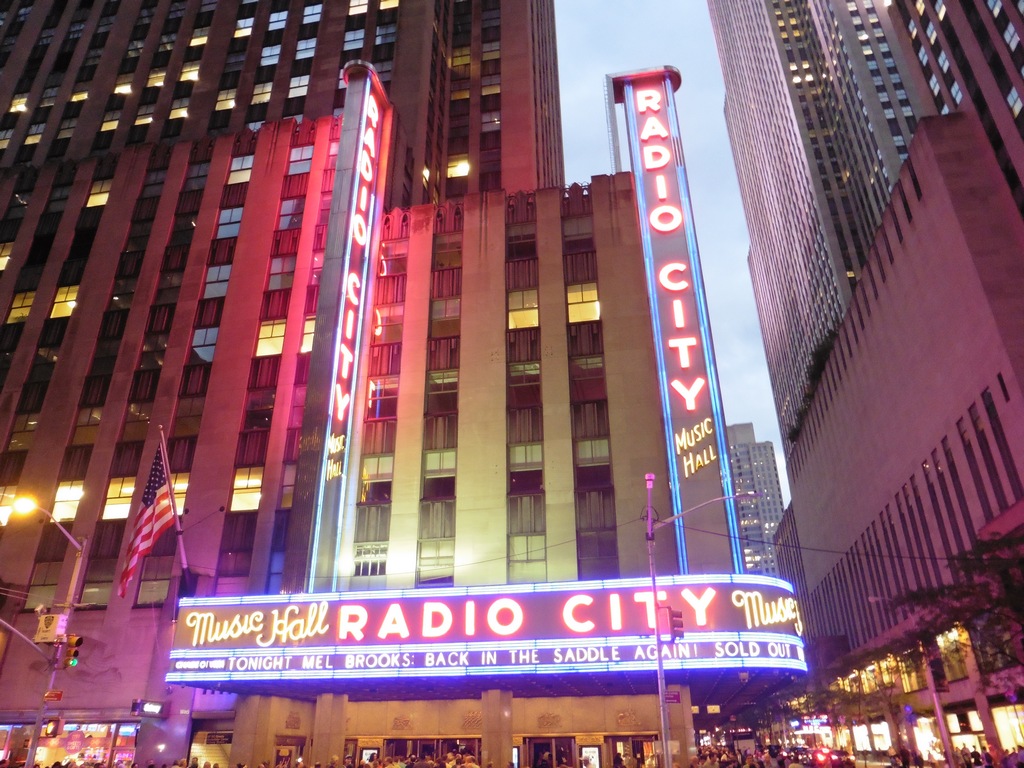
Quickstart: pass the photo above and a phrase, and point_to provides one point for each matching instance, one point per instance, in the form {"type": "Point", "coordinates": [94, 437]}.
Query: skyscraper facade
{"type": "Point", "coordinates": [968, 56]}
{"type": "Point", "coordinates": [908, 461]}
{"type": "Point", "coordinates": [815, 105]}
{"type": "Point", "coordinates": [204, 250]}
{"type": "Point", "coordinates": [82, 79]}
{"type": "Point", "coordinates": [754, 470]}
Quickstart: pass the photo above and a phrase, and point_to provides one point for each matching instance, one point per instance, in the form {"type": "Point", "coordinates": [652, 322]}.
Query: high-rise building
{"type": "Point", "coordinates": [754, 470]}
{"type": "Point", "coordinates": [913, 449]}
{"type": "Point", "coordinates": [815, 105]}
{"type": "Point", "coordinates": [82, 79]}
{"type": "Point", "coordinates": [968, 56]}
{"type": "Point", "coordinates": [427, 422]}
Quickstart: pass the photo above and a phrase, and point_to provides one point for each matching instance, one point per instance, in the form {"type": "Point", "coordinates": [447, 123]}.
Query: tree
{"type": "Point", "coordinates": [986, 597]}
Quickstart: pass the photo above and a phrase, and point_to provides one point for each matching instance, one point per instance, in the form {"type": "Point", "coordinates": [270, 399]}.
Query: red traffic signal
{"type": "Point", "coordinates": [52, 726]}
{"type": "Point", "coordinates": [71, 646]}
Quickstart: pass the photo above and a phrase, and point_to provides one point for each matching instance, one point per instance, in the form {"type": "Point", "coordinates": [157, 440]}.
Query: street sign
{"type": "Point", "coordinates": [673, 697]}
{"type": "Point", "coordinates": [52, 696]}
{"type": "Point", "coordinates": [51, 627]}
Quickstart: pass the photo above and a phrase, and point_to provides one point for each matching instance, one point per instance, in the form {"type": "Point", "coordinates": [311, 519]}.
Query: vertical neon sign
{"type": "Point", "coordinates": [341, 314]}
{"type": "Point", "coordinates": [691, 402]}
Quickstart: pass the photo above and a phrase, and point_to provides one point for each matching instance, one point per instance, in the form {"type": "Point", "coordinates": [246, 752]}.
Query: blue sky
{"type": "Point", "coordinates": [601, 37]}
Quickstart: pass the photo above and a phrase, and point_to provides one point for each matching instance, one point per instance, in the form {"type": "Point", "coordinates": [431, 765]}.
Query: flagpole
{"type": "Point", "coordinates": [178, 532]}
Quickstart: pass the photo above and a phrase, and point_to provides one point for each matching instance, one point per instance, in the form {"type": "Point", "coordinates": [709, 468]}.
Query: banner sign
{"type": "Point", "coordinates": [595, 626]}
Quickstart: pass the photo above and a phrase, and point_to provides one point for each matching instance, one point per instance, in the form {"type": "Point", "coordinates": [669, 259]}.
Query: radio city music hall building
{"type": "Point", "coordinates": [411, 444]}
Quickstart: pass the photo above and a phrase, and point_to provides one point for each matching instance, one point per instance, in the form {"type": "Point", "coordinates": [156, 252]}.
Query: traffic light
{"type": "Point", "coordinates": [52, 726]}
{"type": "Point", "coordinates": [675, 624]}
{"type": "Point", "coordinates": [71, 646]}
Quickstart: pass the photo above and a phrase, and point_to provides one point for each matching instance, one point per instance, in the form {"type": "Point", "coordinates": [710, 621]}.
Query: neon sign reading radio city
{"type": "Point", "coordinates": [732, 620]}
{"type": "Point", "coordinates": [686, 380]}
{"type": "Point", "coordinates": [359, 234]}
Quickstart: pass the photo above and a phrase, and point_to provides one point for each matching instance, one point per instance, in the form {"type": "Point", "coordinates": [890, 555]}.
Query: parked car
{"type": "Point", "coordinates": [823, 757]}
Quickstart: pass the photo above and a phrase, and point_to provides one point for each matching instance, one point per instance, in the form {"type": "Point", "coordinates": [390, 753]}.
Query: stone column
{"type": "Point", "coordinates": [329, 723]}
{"type": "Point", "coordinates": [681, 724]}
{"type": "Point", "coordinates": [496, 730]}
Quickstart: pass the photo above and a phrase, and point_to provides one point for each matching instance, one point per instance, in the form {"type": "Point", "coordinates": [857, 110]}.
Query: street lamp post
{"type": "Point", "coordinates": [26, 505]}
{"type": "Point", "coordinates": [652, 526]}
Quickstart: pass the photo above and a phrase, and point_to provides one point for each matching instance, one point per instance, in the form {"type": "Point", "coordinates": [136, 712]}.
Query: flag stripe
{"type": "Point", "coordinates": [155, 516]}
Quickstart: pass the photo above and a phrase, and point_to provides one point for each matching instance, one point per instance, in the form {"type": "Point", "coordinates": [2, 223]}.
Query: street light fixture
{"type": "Point", "coordinates": [652, 526]}
{"type": "Point", "coordinates": [25, 505]}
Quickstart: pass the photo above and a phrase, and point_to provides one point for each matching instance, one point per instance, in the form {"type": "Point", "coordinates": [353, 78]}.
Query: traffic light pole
{"type": "Point", "coordinates": [665, 734]}
{"type": "Point", "coordinates": [674, 620]}
{"type": "Point", "coordinates": [58, 648]}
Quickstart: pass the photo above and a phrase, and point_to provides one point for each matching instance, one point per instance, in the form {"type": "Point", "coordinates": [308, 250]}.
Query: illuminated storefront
{"type": "Point", "coordinates": [104, 743]}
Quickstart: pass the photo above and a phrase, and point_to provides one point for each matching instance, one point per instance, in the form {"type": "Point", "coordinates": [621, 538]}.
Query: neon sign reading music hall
{"type": "Point", "coordinates": [736, 621]}
{"type": "Point", "coordinates": [688, 381]}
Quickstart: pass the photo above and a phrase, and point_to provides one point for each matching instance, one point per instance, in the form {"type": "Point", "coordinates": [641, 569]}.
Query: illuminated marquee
{"type": "Point", "coordinates": [688, 381]}
{"type": "Point", "coordinates": [733, 621]}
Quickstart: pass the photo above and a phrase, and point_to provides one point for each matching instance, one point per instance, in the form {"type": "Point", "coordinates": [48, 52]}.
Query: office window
{"type": "Point", "coordinates": [20, 306]}
{"type": "Point", "coordinates": [99, 193]}
{"type": "Point", "coordinates": [270, 55]}
{"type": "Point", "coordinates": [300, 160]}
{"type": "Point", "coordinates": [291, 213]}
{"type": "Point", "coordinates": [204, 343]}
{"type": "Point", "coordinates": [247, 488]}
{"type": "Point", "coordinates": [383, 398]}
{"type": "Point", "coordinates": [523, 309]}
{"type": "Point", "coordinates": [311, 13]}
{"type": "Point", "coordinates": [229, 222]}
{"type": "Point", "coordinates": [64, 301]}
{"type": "Point", "coordinates": [271, 338]}
{"type": "Point", "coordinates": [582, 302]}
{"type": "Point", "coordinates": [298, 86]}
{"type": "Point", "coordinates": [225, 99]}
{"type": "Point", "coordinates": [243, 27]}
{"type": "Point", "coordinates": [119, 498]}
{"type": "Point", "coordinates": [241, 169]}
{"type": "Point", "coordinates": [261, 93]}
{"type": "Point", "coordinates": [217, 281]}
{"type": "Point", "coordinates": [354, 39]}
{"type": "Point", "coordinates": [5, 254]}
{"type": "Point", "coordinates": [278, 19]}
{"type": "Point", "coordinates": [305, 48]}
{"type": "Point", "coordinates": [282, 271]}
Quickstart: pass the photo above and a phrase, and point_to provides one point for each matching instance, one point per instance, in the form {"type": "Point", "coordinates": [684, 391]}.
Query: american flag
{"type": "Point", "coordinates": [155, 516]}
